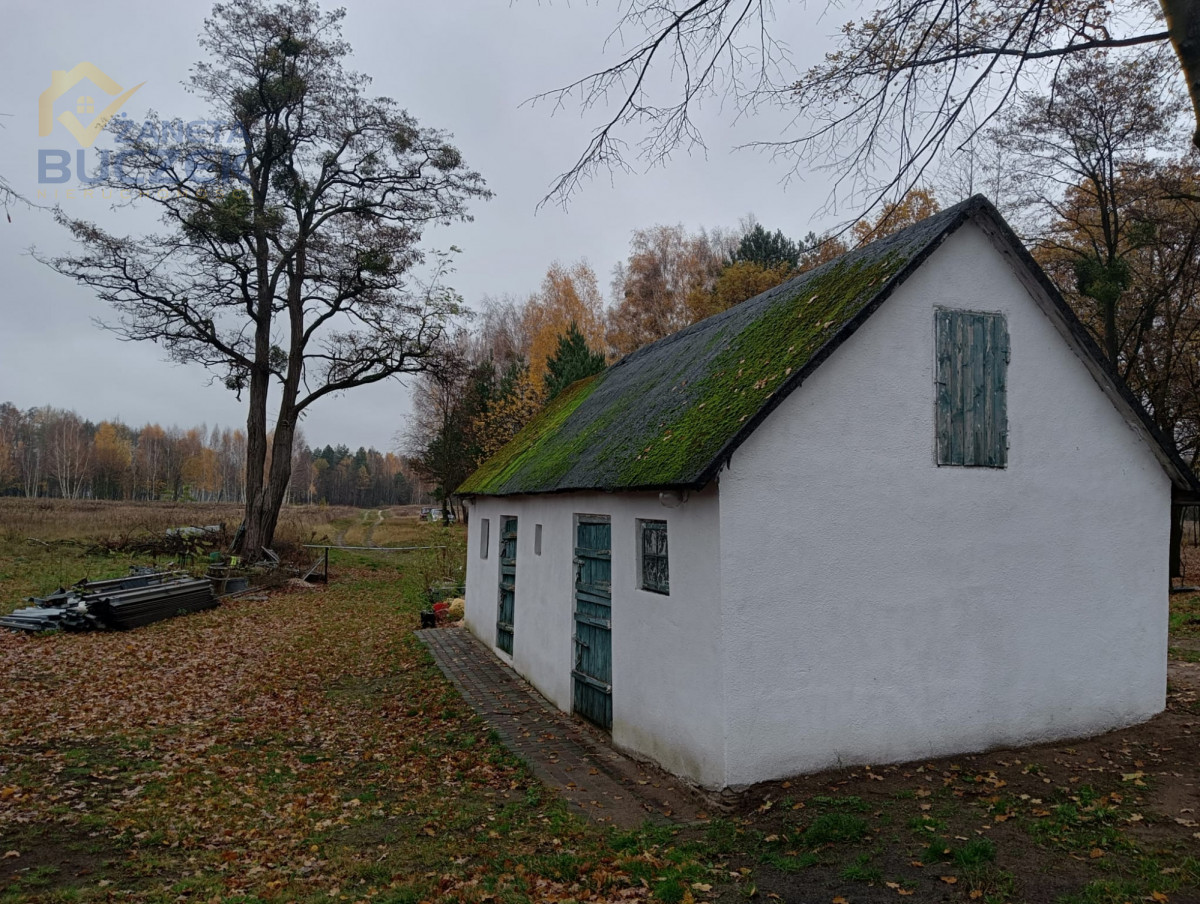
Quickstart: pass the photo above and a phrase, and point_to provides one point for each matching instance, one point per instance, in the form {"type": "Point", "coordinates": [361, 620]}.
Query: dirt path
{"type": "Point", "coordinates": [370, 532]}
{"type": "Point", "coordinates": [570, 756]}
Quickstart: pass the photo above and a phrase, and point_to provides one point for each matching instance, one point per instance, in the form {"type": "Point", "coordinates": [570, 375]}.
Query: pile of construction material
{"type": "Point", "coordinates": [130, 602]}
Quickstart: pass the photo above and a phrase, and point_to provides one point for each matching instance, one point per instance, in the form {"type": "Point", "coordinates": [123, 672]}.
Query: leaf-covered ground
{"type": "Point", "coordinates": [302, 748]}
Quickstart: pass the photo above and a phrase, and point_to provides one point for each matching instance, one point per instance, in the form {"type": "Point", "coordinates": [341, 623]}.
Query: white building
{"type": "Point", "coordinates": [898, 507]}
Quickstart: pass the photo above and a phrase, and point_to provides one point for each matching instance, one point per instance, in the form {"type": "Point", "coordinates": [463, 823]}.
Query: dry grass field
{"type": "Point", "coordinates": [60, 519]}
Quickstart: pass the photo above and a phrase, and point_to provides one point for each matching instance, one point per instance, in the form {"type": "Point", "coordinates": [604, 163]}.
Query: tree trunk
{"type": "Point", "coordinates": [1111, 347]}
{"type": "Point", "coordinates": [267, 502]}
{"type": "Point", "coordinates": [265, 496]}
{"type": "Point", "coordinates": [256, 535]}
{"type": "Point", "coordinates": [1183, 23]}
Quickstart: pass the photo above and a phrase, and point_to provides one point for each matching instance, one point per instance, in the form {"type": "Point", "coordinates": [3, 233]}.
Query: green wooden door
{"type": "Point", "coordinates": [508, 584]}
{"type": "Point", "coordinates": [592, 671]}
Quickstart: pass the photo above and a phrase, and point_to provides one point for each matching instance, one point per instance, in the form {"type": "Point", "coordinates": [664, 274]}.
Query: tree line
{"type": "Point", "coordinates": [53, 452]}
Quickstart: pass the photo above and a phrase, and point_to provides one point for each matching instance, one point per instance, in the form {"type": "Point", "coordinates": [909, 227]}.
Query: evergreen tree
{"type": "Point", "coordinates": [767, 249]}
{"type": "Point", "coordinates": [572, 361]}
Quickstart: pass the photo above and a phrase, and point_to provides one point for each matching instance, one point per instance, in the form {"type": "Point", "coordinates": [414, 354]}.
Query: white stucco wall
{"type": "Point", "coordinates": [879, 608]}
{"type": "Point", "coordinates": [667, 662]}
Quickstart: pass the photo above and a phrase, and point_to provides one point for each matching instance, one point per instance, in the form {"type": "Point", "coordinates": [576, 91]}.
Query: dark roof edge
{"type": "Point", "coordinates": [694, 487]}
{"type": "Point", "coordinates": [1183, 479]}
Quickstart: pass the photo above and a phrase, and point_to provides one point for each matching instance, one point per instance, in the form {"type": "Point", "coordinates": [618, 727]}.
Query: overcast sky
{"type": "Point", "coordinates": [465, 66]}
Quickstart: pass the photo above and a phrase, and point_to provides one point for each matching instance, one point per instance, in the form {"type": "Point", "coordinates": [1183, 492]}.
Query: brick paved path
{"type": "Point", "coordinates": [563, 751]}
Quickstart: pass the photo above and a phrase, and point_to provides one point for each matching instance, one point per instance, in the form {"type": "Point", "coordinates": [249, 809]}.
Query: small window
{"type": "Point", "coordinates": [653, 555]}
{"type": "Point", "coordinates": [971, 419]}
{"type": "Point", "coordinates": [484, 531]}
{"type": "Point", "coordinates": [537, 539]}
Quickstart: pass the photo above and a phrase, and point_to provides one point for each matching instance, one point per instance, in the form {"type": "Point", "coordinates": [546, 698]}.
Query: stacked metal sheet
{"type": "Point", "coordinates": [134, 608]}
{"type": "Point", "coordinates": [139, 599]}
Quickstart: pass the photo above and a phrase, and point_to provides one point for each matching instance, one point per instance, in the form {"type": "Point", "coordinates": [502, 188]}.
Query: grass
{"type": "Point", "coordinates": [835, 828]}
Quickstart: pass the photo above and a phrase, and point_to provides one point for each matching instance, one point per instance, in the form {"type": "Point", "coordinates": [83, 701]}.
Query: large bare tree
{"type": "Point", "coordinates": [286, 265]}
{"type": "Point", "coordinates": [906, 81]}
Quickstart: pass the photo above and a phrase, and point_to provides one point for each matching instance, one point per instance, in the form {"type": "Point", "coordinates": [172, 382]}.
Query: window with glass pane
{"type": "Point", "coordinates": [655, 574]}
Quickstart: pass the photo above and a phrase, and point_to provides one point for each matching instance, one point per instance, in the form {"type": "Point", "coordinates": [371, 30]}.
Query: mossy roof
{"type": "Point", "coordinates": [671, 414]}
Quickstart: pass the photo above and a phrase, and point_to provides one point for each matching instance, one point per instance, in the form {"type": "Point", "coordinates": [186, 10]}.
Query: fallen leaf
{"type": "Point", "coordinates": [949, 880]}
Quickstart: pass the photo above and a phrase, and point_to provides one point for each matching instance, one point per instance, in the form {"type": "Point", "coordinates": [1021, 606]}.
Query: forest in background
{"type": "Point", "coordinates": [56, 453]}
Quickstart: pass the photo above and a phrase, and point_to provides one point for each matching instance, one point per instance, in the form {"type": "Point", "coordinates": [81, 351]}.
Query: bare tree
{"type": "Point", "coordinates": [68, 443]}
{"type": "Point", "coordinates": [1075, 151]}
{"type": "Point", "coordinates": [288, 259]}
{"type": "Point", "coordinates": [909, 80]}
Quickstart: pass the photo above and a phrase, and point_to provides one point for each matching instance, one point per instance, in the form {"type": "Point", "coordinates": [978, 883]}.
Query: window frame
{"type": "Point", "coordinates": [644, 527]}
{"type": "Point", "coordinates": [484, 537]}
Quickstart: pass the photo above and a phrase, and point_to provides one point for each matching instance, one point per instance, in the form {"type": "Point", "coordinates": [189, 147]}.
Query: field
{"type": "Point", "coordinates": [303, 748]}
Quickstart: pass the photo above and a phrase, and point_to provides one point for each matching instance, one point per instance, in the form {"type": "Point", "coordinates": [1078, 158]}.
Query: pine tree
{"type": "Point", "coordinates": [767, 249]}
{"type": "Point", "coordinates": [572, 361]}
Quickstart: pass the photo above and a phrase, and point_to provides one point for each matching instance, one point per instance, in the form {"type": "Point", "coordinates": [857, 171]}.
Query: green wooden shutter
{"type": "Point", "coordinates": [972, 373]}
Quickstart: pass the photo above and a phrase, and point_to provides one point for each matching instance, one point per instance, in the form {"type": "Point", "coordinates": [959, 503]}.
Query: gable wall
{"type": "Point", "coordinates": [667, 680]}
{"type": "Point", "coordinates": [880, 608]}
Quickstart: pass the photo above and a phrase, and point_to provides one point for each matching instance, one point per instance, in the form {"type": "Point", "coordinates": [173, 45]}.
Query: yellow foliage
{"type": "Point", "coordinates": [666, 267]}
{"type": "Point", "coordinates": [738, 282]}
{"type": "Point", "coordinates": [915, 206]}
{"type": "Point", "coordinates": [505, 417]}
{"type": "Point", "coordinates": [111, 452]}
{"type": "Point", "coordinates": [568, 295]}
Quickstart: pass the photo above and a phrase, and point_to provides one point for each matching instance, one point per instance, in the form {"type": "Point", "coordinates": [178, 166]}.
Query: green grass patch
{"type": "Point", "coordinates": [835, 828]}
{"type": "Point", "coordinates": [970, 853]}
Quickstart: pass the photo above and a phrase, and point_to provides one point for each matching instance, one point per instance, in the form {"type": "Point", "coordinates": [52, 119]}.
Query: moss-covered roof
{"type": "Point", "coordinates": [670, 414]}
